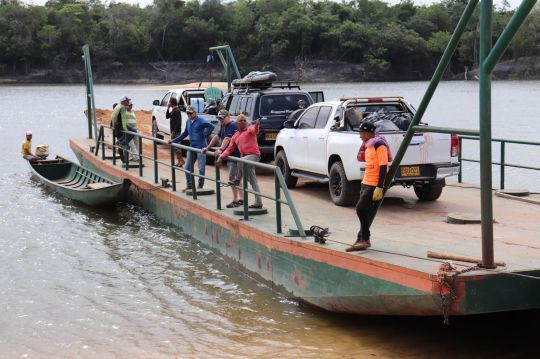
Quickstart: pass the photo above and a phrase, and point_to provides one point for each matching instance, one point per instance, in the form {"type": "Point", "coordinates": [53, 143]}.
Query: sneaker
{"type": "Point", "coordinates": [359, 246]}
{"type": "Point", "coordinates": [186, 189]}
{"type": "Point", "coordinates": [255, 206]}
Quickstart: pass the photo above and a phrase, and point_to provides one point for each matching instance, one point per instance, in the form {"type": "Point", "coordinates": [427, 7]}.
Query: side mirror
{"type": "Point", "coordinates": [288, 124]}
{"type": "Point", "coordinates": [156, 102]}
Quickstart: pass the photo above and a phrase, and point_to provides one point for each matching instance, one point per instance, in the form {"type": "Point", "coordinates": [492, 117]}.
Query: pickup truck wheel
{"type": "Point", "coordinates": [283, 165]}
{"type": "Point", "coordinates": [155, 130]}
{"type": "Point", "coordinates": [341, 190]}
{"type": "Point", "coordinates": [428, 192]}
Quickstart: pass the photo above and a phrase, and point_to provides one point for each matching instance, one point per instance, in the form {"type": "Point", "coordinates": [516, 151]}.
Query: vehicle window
{"type": "Point", "coordinates": [308, 118]}
{"type": "Point", "coordinates": [224, 101]}
{"type": "Point", "coordinates": [282, 104]}
{"type": "Point", "coordinates": [243, 103]}
{"type": "Point", "coordinates": [322, 117]}
{"type": "Point", "coordinates": [385, 108]}
{"type": "Point", "coordinates": [248, 106]}
{"type": "Point", "coordinates": [233, 109]}
{"type": "Point", "coordinates": [166, 98]}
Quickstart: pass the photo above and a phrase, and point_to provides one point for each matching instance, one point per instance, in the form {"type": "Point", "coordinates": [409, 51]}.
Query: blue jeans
{"type": "Point", "coordinates": [201, 160]}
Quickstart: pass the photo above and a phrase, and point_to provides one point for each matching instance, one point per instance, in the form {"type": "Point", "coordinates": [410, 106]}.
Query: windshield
{"type": "Point", "coordinates": [282, 104]}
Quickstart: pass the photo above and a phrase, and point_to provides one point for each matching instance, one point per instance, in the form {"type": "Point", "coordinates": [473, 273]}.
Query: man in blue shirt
{"type": "Point", "coordinates": [227, 130]}
{"type": "Point", "coordinates": [198, 129]}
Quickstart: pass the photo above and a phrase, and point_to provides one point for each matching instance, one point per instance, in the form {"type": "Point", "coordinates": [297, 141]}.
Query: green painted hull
{"type": "Point", "coordinates": [75, 182]}
{"type": "Point", "coordinates": [291, 268]}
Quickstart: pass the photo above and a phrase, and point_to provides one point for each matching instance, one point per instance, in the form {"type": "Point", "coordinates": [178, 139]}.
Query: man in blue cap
{"type": "Point", "coordinates": [227, 130]}
{"type": "Point", "coordinates": [198, 129]}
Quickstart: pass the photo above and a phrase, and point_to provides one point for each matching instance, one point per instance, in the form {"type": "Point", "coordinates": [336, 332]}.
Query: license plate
{"type": "Point", "coordinates": [270, 136]}
{"type": "Point", "coordinates": [410, 171]}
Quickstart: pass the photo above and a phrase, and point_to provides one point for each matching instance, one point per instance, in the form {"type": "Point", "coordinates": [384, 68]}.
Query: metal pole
{"type": "Point", "coordinates": [508, 34]}
{"type": "Point", "coordinates": [192, 158]}
{"type": "Point", "coordinates": [140, 156]}
{"type": "Point", "coordinates": [102, 143]}
{"type": "Point", "coordinates": [503, 143]}
{"type": "Point", "coordinates": [290, 203]}
{"type": "Point", "coordinates": [96, 150]}
{"type": "Point", "coordinates": [155, 162]}
{"type": "Point", "coordinates": [278, 203]}
{"type": "Point", "coordinates": [88, 102]}
{"type": "Point", "coordinates": [228, 70]}
{"type": "Point", "coordinates": [126, 155]}
{"type": "Point", "coordinates": [245, 187]}
{"type": "Point", "coordinates": [88, 69]}
{"type": "Point", "coordinates": [114, 147]}
{"type": "Point", "coordinates": [173, 172]}
{"type": "Point", "coordinates": [459, 178]}
{"type": "Point", "coordinates": [218, 185]}
{"type": "Point", "coordinates": [486, 25]}
{"type": "Point", "coordinates": [437, 75]}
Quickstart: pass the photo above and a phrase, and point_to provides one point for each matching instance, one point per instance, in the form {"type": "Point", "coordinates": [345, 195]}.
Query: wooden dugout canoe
{"type": "Point", "coordinates": [78, 183]}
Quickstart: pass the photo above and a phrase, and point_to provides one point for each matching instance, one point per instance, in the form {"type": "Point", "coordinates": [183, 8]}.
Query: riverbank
{"type": "Point", "coordinates": [314, 71]}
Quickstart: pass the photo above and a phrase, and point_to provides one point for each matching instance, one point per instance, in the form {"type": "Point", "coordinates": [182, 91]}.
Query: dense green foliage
{"type": "Point", "coordinates": [403, 37]}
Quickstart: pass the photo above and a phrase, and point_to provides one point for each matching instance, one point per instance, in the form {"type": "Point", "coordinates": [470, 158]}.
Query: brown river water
{"type": "Point", "coordinates": [81, 282]}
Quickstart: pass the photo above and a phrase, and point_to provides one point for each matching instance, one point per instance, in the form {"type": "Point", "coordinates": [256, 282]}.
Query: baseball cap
{"type": "Point", "coordinates": [190, 109]}
{"type": "Point", "coordinates": [222, 114]}
{"type": "Point", "coordinates": [125, 98]}
{"type": "Point", "coordinates": [28, 133]}
{"type": "Point", "coordinates": [367, 127]}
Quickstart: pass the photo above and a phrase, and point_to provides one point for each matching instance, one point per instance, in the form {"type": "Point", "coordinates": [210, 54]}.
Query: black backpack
{"type": "Point", "coordinates": [118, 123]}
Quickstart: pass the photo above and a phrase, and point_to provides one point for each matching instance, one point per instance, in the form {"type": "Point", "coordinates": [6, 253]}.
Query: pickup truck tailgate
{"type": "Point", "coordinates": [425, 148]}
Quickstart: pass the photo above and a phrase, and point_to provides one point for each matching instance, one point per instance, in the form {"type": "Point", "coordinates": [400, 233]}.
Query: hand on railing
{"type": "Point", "coordinates": [219, 161]}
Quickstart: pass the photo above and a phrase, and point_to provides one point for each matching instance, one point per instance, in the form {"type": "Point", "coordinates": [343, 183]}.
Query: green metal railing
{"type": "Point", "coordinates": [488, 58]}
{"type": "Point", "coordinates": [90, 102]}
{"type": "Point", "coordinates": [279, 181]}
{"type": "Point", "coordinates": [502, 163]}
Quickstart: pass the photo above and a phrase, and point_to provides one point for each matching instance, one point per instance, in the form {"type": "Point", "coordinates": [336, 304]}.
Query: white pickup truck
{"type": "Point", "coordinates": [185, 97]}
{"type": "Point", "coordinates": [322, 144]}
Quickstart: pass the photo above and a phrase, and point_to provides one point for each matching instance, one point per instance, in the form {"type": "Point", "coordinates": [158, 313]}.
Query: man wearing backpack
{"type": "Point", "coordinates": [376, 153]}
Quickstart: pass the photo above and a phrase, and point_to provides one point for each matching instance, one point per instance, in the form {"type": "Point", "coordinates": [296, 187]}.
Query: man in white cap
{"type": "Point", "coordinates": [27, 148]}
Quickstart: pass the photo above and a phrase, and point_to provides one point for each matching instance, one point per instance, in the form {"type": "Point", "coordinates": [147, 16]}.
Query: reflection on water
{"type": "Point", "coordinates": [78, 281]}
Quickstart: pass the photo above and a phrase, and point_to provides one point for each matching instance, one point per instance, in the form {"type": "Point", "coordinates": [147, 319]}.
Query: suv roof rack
{"type": "Point", "coordinates": [372, 99]}
{"type": "Point", "coordinates": [265, 85]}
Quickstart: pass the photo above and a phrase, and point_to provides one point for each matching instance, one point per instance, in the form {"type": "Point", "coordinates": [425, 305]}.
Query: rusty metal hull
{"type": "Point", "coordinates": [329, 279]}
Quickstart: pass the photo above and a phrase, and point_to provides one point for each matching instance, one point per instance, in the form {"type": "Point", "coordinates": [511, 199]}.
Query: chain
{"type": "Point", "coordinates": [446, 289]}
